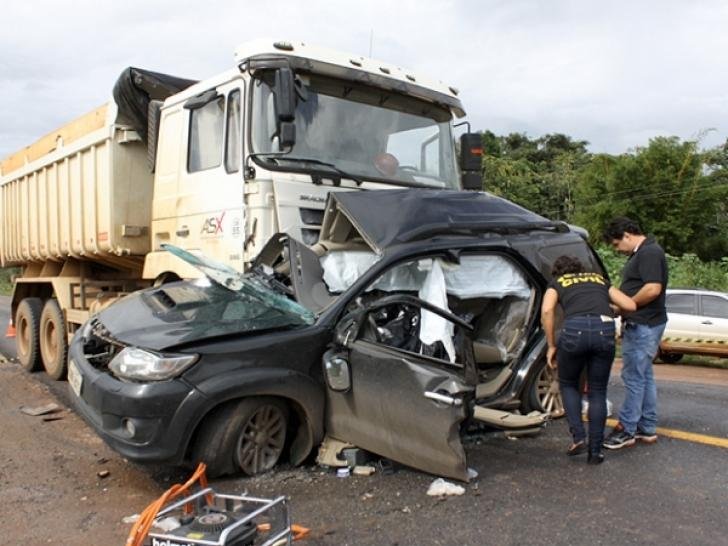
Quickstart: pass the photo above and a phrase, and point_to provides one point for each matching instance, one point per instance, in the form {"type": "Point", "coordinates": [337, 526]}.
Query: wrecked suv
{"type": "Point", "coordinates": [415, 314]}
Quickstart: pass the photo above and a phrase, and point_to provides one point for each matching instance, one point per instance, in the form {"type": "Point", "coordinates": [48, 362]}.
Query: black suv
{"type": "Point", "coordinates": [416, 313]}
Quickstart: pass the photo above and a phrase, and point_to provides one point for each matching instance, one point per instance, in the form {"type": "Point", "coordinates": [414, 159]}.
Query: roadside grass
{"type": "Point", "coordinates": [6, 282]}
{"type": "Point", "coordinates": [703, 361]}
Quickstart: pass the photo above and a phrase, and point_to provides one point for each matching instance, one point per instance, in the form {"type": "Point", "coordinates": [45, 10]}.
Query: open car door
{"type": "Point", "coordinates": [387, 396]}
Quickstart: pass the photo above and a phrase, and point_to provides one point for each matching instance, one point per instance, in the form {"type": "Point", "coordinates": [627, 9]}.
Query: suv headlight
{"type": "Point", "coordinates": [141, 365]}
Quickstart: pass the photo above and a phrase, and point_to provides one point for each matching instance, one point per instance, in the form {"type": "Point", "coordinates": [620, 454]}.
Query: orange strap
{"type": "Point", "coordinates": [299, 531]}
{"type": "Point", "coordinates": [141, 527]}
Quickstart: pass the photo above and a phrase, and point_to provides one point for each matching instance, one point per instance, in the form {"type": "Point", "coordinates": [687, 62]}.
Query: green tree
{"type": "Point", "coordinates": [675, 191]}
{"type": "Point", "coordinates": [539, 174]}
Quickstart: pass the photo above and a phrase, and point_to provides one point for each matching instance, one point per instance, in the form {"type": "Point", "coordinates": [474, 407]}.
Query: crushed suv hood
{"type": "Point", "coordinates": [190, 311]}
{"type": "Point", "coordinates": [392, 217]}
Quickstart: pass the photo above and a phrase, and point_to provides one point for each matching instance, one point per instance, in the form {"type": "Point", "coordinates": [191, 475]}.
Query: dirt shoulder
{"type": "Point", "coordinates": [50, 477]}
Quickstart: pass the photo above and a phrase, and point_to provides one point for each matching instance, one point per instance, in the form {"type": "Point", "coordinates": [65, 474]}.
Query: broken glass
{"type": "Point", "coordinates": [247, 284]}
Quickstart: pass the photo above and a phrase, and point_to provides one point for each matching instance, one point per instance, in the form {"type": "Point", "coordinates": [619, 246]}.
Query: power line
{"type": "Point", "coordinates": [643, 197]}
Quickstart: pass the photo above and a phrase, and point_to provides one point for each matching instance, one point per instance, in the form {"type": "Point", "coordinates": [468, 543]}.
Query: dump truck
{"type": "Point", "coordinates": [215, 167]}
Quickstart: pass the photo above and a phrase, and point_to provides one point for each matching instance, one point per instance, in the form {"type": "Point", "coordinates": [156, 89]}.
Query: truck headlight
{"type": "Point", "coordinates": [141, 365]}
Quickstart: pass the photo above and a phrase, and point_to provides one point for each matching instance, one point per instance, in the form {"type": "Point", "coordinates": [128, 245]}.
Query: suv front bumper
{"type": "Point", "coordinates": [145, 422]}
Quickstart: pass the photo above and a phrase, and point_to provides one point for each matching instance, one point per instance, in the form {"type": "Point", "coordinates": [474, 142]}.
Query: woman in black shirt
{"type": "Point", "coordinates": [586, 341]}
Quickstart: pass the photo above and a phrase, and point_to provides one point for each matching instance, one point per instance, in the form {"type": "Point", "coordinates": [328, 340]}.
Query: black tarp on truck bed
{"type": "Point", "coordinates": [136, 87]}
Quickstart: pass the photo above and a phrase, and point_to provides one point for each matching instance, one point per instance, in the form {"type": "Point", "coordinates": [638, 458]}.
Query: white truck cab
{"type": "Point", "coordinates": [255, 150]}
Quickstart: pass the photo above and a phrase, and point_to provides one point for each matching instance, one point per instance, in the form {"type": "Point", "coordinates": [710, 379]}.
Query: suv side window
{"type": "Point", "coordinates": [681, 303]}
{"type": "Point", "coordinates": [206, 136]}
{"type": "Point", "coordinates": [714, 306]}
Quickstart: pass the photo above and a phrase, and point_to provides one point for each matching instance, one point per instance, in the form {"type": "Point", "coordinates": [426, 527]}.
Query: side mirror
{"type": "Point", "coordinates": [337, 372]}
{"type": "Point", "coordinates": [285, 106]}
{"type": "Point", "coordinates": [472, 181]}
{"type": "Point", "coordinates": [471, 151]}
{"type": "Point", "coordinates": [471, 161]}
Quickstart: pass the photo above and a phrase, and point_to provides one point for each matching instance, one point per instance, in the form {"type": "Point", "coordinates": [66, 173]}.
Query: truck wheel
{"type": "Point", "coordinates": [247, 436]}
{"type": "Point", "coordinates": [53, 340]}
{"type": "Point", "coordinates": [27, 328]}
{"type": "Point", "coordinates": [543, 393]}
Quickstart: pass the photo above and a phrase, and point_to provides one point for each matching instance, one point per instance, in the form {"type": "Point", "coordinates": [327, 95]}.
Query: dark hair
{"type": "Point", "coordinates": [566, 264]}
{"type": "Point", "coordinates": [619, 226]}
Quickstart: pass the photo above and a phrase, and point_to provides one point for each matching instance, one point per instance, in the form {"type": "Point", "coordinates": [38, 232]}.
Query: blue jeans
{"type": "Point", "coordinates": [586, 342]}
{"type": "Point", "coordinates": [639, 347]}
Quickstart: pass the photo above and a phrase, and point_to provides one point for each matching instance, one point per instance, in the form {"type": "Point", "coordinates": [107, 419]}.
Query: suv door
{"type": "Point", "coordinates": [385, 397]}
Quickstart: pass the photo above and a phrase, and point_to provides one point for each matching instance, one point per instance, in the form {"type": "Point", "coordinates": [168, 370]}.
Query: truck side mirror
{"type": "Point", "coordinates": [285, 105]}
{"type": "Point", "coordinates": [472, 181]}
{"type": "Point", "coordinates": [471, 151]}
{"type": "Point", "coordinates": [471, 160]}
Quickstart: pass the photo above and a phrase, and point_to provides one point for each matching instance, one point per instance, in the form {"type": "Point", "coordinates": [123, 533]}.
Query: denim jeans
{"type": "Point", "coordinates": [639, 347]}
{"type": "Point", "coordinates": [586, 341]}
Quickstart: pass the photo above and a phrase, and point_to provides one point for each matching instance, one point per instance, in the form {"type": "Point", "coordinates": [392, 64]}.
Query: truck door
{"type": "Point", "coordinates": [209, 200]}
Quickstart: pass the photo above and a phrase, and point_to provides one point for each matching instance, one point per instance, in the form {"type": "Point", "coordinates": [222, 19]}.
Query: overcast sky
{"type": "Point", "coordinates": [613, 73]}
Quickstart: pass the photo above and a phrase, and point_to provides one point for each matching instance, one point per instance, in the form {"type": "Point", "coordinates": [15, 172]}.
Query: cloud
{"type": "Point", "coordinates": [614, 73]}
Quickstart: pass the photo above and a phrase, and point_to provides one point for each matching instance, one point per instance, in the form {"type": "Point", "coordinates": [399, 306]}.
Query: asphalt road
{"type": "Point", "coordinates": [527, 491]}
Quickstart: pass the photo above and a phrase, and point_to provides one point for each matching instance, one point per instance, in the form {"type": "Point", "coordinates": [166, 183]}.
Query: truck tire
{"type": "Point", "coordinates": [53, 340]}
{"type": "Point", "coordinates": [27, 336]}
{"type": "Point", "coordinates": [246, 436]}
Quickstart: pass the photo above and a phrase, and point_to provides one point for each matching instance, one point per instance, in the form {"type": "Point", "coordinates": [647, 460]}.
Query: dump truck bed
{"type": "Point", "coordinates": [82, 191]}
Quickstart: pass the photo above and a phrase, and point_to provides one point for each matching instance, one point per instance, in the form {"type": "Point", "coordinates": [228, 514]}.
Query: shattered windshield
{"type": "Point", "coordinates": [246, 284]}
{"type": "Point", "coordinates": [370, 133]}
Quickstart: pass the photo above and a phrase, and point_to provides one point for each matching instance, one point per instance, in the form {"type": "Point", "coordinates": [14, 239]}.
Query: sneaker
{"type": "Point", "coordinates": [645, 437]}
{"type": "Point", "coordinates": [619, 438]}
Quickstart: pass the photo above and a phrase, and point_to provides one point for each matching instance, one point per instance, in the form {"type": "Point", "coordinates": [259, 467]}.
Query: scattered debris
{"type": "Point", "coordinates": [472, 473]}
{"type": "Point", "coordinates": [40, 410]}
{"type": "Point", "coordinates": [103, 474]}
{"type": "Point", "coordinates": [364, 470]}
{"type": "Point", "coordinates": [441, 488]}
{"type": "Point", "coordinates": [342, 472]}
{"type": "Point", "coordinates": [386, 467]}
{"type": "Point", "coordinates": [52, 417]}
{"type": "Point", "coordinates": [166, 524]}
{"type": "Point", "coordinates": [368, 495]}
{"type": "Point", "coordinates": [355, 456]}
{"type": "Point", "coordinates": [102, 460]}
{"type": "Point", "coordinates": [130, 519]}
{"type": "Point", "coordinates": [328, 453]}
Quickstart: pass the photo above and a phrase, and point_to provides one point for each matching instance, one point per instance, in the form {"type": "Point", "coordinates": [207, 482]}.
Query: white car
{"type": "Point", "coordinates": [697, 323]}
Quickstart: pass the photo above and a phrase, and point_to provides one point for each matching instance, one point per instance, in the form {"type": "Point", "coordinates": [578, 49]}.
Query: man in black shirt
{"type": "Point", "coordinates": [644, 279]}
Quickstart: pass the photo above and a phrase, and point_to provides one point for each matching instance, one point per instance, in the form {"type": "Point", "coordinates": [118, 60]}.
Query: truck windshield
{"type": "Point", "coordinates": [370, 133]}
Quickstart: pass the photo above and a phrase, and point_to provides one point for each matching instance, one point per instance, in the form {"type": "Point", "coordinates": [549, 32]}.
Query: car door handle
{"type": "Point", "coordinates": [445, 399]}
{"type": "Point", "coordinates": [184, 232]}
{"type": "Point", "coordinates": [706, 322]}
